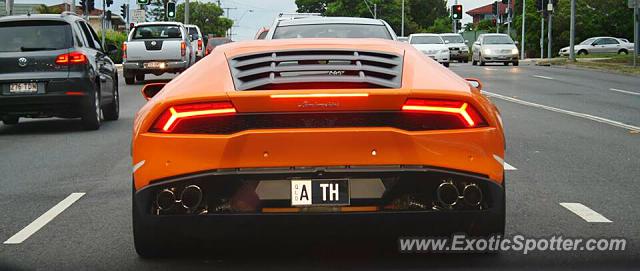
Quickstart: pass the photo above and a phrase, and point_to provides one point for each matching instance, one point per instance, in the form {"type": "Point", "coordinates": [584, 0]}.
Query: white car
{"type": "Point", "coordinates": [458, 49]}
{"type": "Point", "coordinates": [495, 48]}
{"type": "Point", "coordinates": [600, 45]}
{"type": "Point", "coordinates": [432, 45]}
{"type": "Point", "coordinates": [197, 41]}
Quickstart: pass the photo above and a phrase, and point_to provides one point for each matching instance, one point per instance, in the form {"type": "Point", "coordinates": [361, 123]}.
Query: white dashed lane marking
{"type": "Point", "coordinates": [43, 219]}
{"type": "Point", "coordinates": [625, 91]}
{"type": "Point", "coordinates": [563, 111]}
{"type": "Point", "coordinates": [543, 77]}
{"type": "Point", "coordinates": [585, 212]}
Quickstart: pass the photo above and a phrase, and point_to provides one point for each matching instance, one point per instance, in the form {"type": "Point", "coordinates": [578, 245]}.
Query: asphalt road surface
{"type": "Point", "coordinates": [573, 136]}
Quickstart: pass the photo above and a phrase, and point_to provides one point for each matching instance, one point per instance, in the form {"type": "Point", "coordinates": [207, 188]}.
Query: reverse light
{"type": "Point", "coordinates": [72, 58]}
{"type": "Point", "coordinates": [173, 116]}
{"type": "Point", "coordinates": [318, 95]}
{"type": "Point", "coordinates": [469, 116]}
{"type": "Point", "coordinates": [183, 48]}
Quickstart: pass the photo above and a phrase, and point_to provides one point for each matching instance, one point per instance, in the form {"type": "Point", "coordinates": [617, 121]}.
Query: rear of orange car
{"type": "Point", "coordinates": [276, 137]}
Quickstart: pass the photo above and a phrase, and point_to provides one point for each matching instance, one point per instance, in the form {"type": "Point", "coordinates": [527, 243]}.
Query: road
{"type": "Point", "coordinates": [571, 138]}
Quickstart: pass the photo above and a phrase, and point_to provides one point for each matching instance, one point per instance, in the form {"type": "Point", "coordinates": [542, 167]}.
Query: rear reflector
{"type": "Point", "coordinates": [74, 93]}
{"type": "Point", "coordinates": [172, 117]}
{"type": "Point", "coordinates": [199, 45]}
{"type": "Point", "coordinates": [183, 48]}
{"type": "Point", "coordinates": [319, 95]}
{"type": "Point", "coordinates": [71, 59]}
{"type": "Point", "coordinates": [467, 114]}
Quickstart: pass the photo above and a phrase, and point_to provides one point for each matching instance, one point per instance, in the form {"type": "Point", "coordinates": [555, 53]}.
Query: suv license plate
{"type": "Point", "coordinates": [23, 88]}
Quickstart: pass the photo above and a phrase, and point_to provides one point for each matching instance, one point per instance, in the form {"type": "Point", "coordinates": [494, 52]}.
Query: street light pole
{"type": "Point", "coordinates": [542, 34]}
{"type": "Point", "coordinates": [402, 31]}
{"type": "Point", "coordinates": [524, 15]}
{"type": "Point", "coordinates": [186, 12]}
{"type": "Point", "coordinates": [549, 30]}
{"type": "Point", "coordinates": [572, 35]}
{"type": "Point", "coordinates": [509, 18]}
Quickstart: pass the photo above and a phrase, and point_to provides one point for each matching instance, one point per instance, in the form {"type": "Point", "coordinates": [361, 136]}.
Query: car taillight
{"type": "Point", "coordinates": [175, 117]}
{"type": "Point", "coordinates": [468, 115]}
{"type": "Point", "coordinates": [183, 48]}
{"type": "Point", "coordinates": [124, 50]}
{"type": "Point", "coordinates": [199, 45]}
{"type": "Point", "coordinates": [72, 58]}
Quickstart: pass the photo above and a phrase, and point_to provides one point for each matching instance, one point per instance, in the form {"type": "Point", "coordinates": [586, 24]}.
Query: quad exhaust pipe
{"type": "Point", "coordinates": [165, 199]}
{"type": "Point", "coordinates": [190, 198]}
{"type": "Point", "coordinates": [448, 195]}
{"type": "Point", "coordinates": [472, 195]}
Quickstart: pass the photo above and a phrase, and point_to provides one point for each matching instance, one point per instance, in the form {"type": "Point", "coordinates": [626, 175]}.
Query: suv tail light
{"type": "Point", "coordinates": [199, 45]}
{"type": "Point", "coordinates": [72, 58]}
{"type": "Point", "coordinates": [468, 115]}
{"type": "Point", "coordinates": [183, 48]}
{"type": "Point", "coordinates": [124, 50]}
{"type": "Point", "coordinates": [175, 118]}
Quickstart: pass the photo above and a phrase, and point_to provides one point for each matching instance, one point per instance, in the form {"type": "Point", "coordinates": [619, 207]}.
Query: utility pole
{"type": "Point", "coordinates": [186, 12]}
{"type": "Point", "coordinates": [636, 33]}
{"type": "Point", "coordinates": [375, 11]}
{"type": "Point", "coordinates": [509, 18]}
{"type": "Point", "coordinates": [572, 35]}
{"type": "Point", "coordinates": [549, 30]}
{"type": "Point", "coordinates": [524, 14]}
{"type": "Point", "coordinates": [402, 31]}
{"type": "Point", "coordinates": [104, 25]}
{"type": "Point", "coordinates": [230, 30]}
{"type": "Point", "coordinates": [542, 34]}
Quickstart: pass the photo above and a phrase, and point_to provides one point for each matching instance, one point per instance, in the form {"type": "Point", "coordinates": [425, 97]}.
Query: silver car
{"type": "Point", "coordinates": [600, 45]}
{"type": "Point", "coordinates": [330, 27]}
{"type": "Point", "coordinates": [495, 48]}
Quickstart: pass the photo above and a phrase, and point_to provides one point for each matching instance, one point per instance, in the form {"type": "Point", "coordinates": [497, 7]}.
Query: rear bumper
{"type": "Point", "coordinates": [51, 100]}
{"type": "Point", "coordinates": [170, 66]}
{"type": "Point", "coordinates": [259, 225]}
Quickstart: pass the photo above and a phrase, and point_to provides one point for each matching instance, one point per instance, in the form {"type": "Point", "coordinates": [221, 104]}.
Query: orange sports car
{"type": "Point", "coordinates": [279, 137]}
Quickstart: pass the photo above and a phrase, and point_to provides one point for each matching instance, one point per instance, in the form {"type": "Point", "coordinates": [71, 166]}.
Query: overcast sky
{"type": "Point", "coordinates": [250, 15]}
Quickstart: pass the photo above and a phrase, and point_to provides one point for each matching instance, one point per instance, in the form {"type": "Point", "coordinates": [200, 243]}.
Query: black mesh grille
{"type": "Point", "coordinates": [241, 122]}
{"type": "Point", "coordinates": [263, 70]}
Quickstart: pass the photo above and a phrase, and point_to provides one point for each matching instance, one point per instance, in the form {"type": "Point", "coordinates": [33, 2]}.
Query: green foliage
{"type": "Point", "coordinates": [44, 9]}
{"type": "Point", "coordinates": [420, 15]}
{"type": "Point", "coordinates": [115, 38]}
{"type": "Point", "coordinates": [207, 16]}
{"type": "Point", "coordinates": [441, 25]}
{"type": "Point", "coordinates": [155, 10]}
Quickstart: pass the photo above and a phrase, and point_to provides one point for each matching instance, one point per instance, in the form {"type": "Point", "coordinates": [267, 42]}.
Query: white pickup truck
{"type": "Point", "coordinates": [156, 48]}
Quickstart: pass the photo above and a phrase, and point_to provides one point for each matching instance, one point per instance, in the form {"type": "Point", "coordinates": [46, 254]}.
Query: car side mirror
{"type": "Point", "coordinates": [516, 43]}
{"type": "Point", "coordinates": [466, 41]}
{"type": "Point", "coordinates": [474, 83]}
{"type": "Point", "coordinates": [150, 90]}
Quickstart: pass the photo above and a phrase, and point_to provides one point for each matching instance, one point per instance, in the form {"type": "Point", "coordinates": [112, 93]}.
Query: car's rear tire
{"type": "Point", "coordinates": [623, 52]}
{"type": "Point", "coordinates": [473, 63]}
{"type": "Point", "coordinates": [516, 63]}
{"type": "Point", "coordinates": [583, 52]}
{"type": "Point", "coordinates": [10, 120]}
{"type": "Point", "coordinates": [446, 64]}
{"type": "Point", "coordinates": [505, 63]}
{"type": "Point", "coordinates": [112, 111]}
{"type": "Point", "coordinates": [91, 117]}
{"type": "Point", "coordinates": [140, 77]}
{"type": "Point", "coordinates": [147, 243]}
{"type": "Point", "coordinates": [129, 78]}
{"type": "Point", "coordinates": [482, 63]}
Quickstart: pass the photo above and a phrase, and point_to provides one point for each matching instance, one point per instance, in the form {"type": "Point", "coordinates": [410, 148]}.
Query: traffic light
{"type": "Point", "coordinates": [91, 5]}
{"type": "Point", "coordinates": [109, 2]}
{"type": "Point", "coordinates": [457, 12]}
{"type": "Point", "coordinates": [171, 10]}
{"type": "Point", "coordinates": [459, 25]}
{"type": "Point", "coordinates": [494, 8]}
{"type": "Point", "coordinates": [108, 15]}
{"type": "Point", "coordinates": [506, 2]}
{"type": "Point", "coordinates": [541, 5]}
{"type": "Point", "coordinates": [123, 11]}
{"type": "Point", "coordinates": [143, 2]}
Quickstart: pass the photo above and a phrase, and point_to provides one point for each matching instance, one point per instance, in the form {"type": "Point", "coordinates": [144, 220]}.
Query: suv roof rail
{"type": "Point", "coordinates": [68, 13]}
{"type": "Point", "coordinates": [294, 15]}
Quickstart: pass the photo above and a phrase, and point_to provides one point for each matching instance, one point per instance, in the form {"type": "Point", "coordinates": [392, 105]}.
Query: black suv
{"type": "Point", "coordinates": [54, 66]}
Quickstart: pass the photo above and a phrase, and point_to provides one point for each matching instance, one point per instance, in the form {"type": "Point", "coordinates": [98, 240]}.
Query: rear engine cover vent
{"type": "Point", "coordinates": [316, 69]}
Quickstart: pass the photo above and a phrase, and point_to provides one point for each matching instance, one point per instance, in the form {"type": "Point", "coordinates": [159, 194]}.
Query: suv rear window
{"type": "Point", "coordinates": [193, 31]}
{"type": "Point", "coordinates": [332, 31]}
{"type": "Point", "coordinates": [157, 32]}
{"type": "Point", "coordinates": [24, 36]}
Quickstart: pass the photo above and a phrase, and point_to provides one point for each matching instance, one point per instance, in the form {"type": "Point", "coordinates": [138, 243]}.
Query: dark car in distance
{"type": "Point", "coordinates": [55, 66]}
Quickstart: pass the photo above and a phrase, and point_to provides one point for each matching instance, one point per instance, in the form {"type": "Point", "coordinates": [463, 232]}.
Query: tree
{"type": "Point", "coordinates": [207, 16]}
{"type": "Point", "coordinates": [44, 9]}
{"type": "Point", "coordinates": [155, 10]}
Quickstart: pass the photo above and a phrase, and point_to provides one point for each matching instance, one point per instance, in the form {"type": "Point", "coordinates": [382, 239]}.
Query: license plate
{"type": "Point", "coordinates": [20, 88]}
{"type": "Point", "coordinates": [455, 51]}
{"type": "Point", "coordinates": [155, 65]}
{"type": "Point", "coordinates": [324, 192]}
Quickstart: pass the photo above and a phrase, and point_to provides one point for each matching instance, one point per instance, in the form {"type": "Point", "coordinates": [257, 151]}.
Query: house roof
{"type": "Point", "coordinates": [487, 9]}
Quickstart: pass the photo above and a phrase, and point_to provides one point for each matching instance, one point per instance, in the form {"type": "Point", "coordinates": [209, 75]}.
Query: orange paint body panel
{"type": "Point", "coordinates": [478, 150]}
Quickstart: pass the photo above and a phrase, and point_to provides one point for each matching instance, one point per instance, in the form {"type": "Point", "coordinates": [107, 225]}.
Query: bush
{"type": "Point", "coordinates": [116, 38]}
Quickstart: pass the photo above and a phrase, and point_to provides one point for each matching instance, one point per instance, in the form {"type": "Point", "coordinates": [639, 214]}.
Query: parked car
{"type": "Point", "coordinates": [458, 49]}
{"type": "Point", "coordinates": [495, 48]}
{"type": "Point", "coordinates": [156, 48]}
{"type": "Point", "coordinates": [600, 45]}
{"type": "Point", "coordinates": [55, 66]}
{"type": "Point", "coordinates": [214, 42]}
{"type": "Point", "coordinates": [197, 40]}
{"type": "Point", "coordinates": [403, 39]}
{"type": "Point", "coordinates": [330, 27]}
{"type": "Point", "coordinates": [432, 45]}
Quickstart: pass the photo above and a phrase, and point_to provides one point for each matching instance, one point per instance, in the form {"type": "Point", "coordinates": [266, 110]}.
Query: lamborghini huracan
{"type": "Point", "coordinates": [305, 136]}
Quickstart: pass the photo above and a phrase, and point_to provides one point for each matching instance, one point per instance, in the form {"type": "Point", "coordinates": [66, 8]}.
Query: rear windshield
{"type": "Point", "coordinates": [426, 40]}
{"type": "Point", "coordinates": [24, 36]}
{"type": "Point", "coordinates": [332, 31]}
{"type": "Point", "coordinates": [157, 32]}
{"type": "Point", "coordinates": [193, 31]}
{"type": "Point", "coordinates": [262, 35]}
{"type": "Point", "coordinates": [453, 39]}
{"type": "Point", "coordinates": [497, 40]}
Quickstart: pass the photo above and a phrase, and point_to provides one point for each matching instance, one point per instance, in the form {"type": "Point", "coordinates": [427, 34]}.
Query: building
{"type": "Point", "coordinates": [486, 12]}
{"type": "Point", "coordinates": [95, 17]}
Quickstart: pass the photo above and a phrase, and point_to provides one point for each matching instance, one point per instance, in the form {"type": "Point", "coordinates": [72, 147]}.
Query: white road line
{"type": "Point", "coordinates": [585, 212]}
{"type": "Point", "coordinates": [567, 112]}
{"type": "Point", "coordinates": [490, 69]}
{"type": "Point", "coordinates": [509, 167]}
{"type": "Point", "coordinates": [625, 91]}
{"type": "Point", "coordinates": [43, 219]}
{"type": "Point", "coordinates": [543, 77]}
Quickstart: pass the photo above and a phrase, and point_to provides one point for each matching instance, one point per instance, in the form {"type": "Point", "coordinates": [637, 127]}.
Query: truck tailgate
{"type": "Point", "coordinates": [161, 49]}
